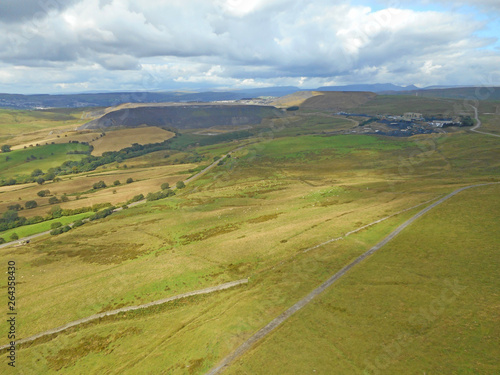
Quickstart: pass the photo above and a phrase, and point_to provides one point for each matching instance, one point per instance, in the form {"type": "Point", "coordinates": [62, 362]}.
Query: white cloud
{"type": "Point", "coordinates": [234, 42]}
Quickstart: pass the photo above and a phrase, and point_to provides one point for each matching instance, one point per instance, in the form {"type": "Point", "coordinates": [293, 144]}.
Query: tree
{"type": "Point", "coordinates": [10, 216]}
{"type": "Point", "coordinates": [116, 183]}
{"type": "Point", "coordinates": [99, 185]}
{"type": "Point", "coordinates": [53, 200]}
{"type": "Point", "coordinates": [5, 148]}
{"type": "Point", "coordinates": [2, 240]}
{"type": "Point", "coordinates": [30, 204]}
{"type": "Point", "coordinates": [43, 193]}
{"type": "Point", "coordinates": [15, 207]}
{"type": "Point", "coordinates": [56, 212]}
{"type": "Point", "coordinates": [37, 172]}
{"type": "Point", "coordinates": [165, 186]}
{"type": "Point", "coordinates": [40, 180]}
{"type": "Point", "coordinates": [180, 185]}
{"type": "Point", "coordinates": [14, 237]}
{"type": "Point", "coordinates": [64, 198]}
{"type": "Point", "coordinates": [129, 180]}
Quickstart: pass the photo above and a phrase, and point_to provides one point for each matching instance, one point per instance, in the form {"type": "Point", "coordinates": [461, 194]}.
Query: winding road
{"type": "Point", "coordinates": [478, 124]}
{"type": "Point", "coordinates": [226, 362]}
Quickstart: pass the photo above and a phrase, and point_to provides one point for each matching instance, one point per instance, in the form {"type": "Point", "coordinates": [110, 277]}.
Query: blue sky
{"type": "Point", "coordinates": [67, 46]}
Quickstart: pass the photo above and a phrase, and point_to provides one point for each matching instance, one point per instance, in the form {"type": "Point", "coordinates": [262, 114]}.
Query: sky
{"type": "Point", "coordinates": [69, 46]}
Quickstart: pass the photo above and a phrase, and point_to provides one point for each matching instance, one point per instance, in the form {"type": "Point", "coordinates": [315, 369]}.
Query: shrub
{"type": "Point", "coordinates": [165, 186]}
{"type": "Point", "coordinates": [55, 232]}
{"type": "Point", "coordinates": [180, 185]}
{"type": "Point", "coordinates": [15, 207]}
{"type": "Point", "coordinates": [66, 228]}
{"type": "Point", "coordinates": [129, 180]}
{"type": "Point", "coordinates": [40, 180]}
{"type": "Point", "coordinates": [55, 225]}
{"type": "Point", "coordinates": [99, 185]}
{"type": "Point", "coordinates": [78, 223]}
{"type": "Point", "coordinates": [101, 214]}
{"type": "Point", "coordinates": [159, 195]}
{"type": "Point", "coordinates": [14, 237]}
{"type": "Point", "coordinates": [137, 198]}
{"type": "Point", "coordinates": [64, 198]}
{"type": "Point", "coordinates": [43, 193]}
{"type": "Point", "coordinates": [54, 200]}
{"type": "Point", "coordinates": [116, 183]}
{"type": "Point", "coordinates": [30, 204]}
{"type": "Point", "coordinates": [37, 172]}
{"type": "Point", "coordinates": [2, 240]}
{"type": "Point", "coordinates": [5, 148]}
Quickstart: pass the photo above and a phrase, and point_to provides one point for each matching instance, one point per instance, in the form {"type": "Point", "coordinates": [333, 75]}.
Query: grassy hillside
{"type": "Point", "coordinates": [251, 217]}
{"type": "Point", "coordinates": [338, 101]}
{"type": "Point", "coordinates": [23, 162]}
{"type": "Point", "coordinates": [14, 122]}
{"type": "Point", "coordinates": [425, 303]}
{"type": "Point", "coordinates": [398, 105]}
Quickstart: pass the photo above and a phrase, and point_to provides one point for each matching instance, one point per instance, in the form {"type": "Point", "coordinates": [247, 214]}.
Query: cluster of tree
{"type": "Point", "coordinates": [160, 195]}
{"type": "Point", "coordinates": [137, 198]}
{"type": "Point", "coordinates": [101, 214]}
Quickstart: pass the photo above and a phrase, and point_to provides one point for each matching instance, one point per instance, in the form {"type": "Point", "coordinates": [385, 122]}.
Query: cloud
{"type": "Point", "coordinates": [235, 42]}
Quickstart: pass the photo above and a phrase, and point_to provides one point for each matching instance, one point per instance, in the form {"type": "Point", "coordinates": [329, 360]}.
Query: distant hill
{"type": "Point", "coordinates": [377, 87]}
{"type": "Point", "coordinates": [338, 101]}
{"type": "Point", "coordinates": [110, 99]}
{"type": "Point", "coordinates": [473, 93]}
{"type": "Point", "coordinates": [185, 116]}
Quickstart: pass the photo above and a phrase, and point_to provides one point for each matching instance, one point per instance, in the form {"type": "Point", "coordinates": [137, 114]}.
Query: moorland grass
{"type": "Point", "coordinates": [423, 304]}
{"type": "Point", "coordinates": [278, 197]}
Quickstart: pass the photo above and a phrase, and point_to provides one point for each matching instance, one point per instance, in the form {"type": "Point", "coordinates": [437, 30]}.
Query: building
{"type": "Point", "coordinates": [412, 116]}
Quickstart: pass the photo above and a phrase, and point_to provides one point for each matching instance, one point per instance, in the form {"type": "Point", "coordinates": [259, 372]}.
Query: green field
{"type": "Point", "coordinates": [42, 157]}
{"type": "Point", "coordinates": [289, 188]}
{"type": "Point", "coordinates": [28, 230]}
{"type": "Point", "coordinates": [14, 122]}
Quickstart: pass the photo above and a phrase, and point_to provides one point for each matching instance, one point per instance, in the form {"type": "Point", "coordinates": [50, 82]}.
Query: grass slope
{"type": "Point", "coordinates": [426, 303]}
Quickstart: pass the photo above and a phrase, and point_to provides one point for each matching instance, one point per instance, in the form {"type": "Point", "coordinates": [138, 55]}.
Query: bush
{"type": "Point", "coordinates": [129, 180]}
{"type": "Point", "coordinates": [137, 198]}
{"type": "Point", "coordinates": [43, 193]}
{"type": "Point", "coordinates": [14, 237]}
{"type": "Point", "coordinates": [116, 183]}
{"type": "Point", "coordinates": [40, 180]}
{"type": "Point", "coordinates": [37, 172]}
{"type": "Point", "coordinates": [54, 200]}
{"type": "Point", "coordinates": [55, 232]}
{"type": "Point", "coordinates": [165, 186]}
{"type": "Point", "coordinates": [5, 148]}
{"type": "Point", "coordinates": [99, 185]}
{"type": "Point", "coordinates": [64, 198]}
{"type": "Point", "coordinates": [78, 223]}
{"type": "Point", "coordinates": [101, 214]}
{"type": "Point", "coordinates": [159, 195]}
{"type": "Point", "coordinates": [66, 228]}
{"type": "Point", "coordinates": [30, 204]}
{"type": "Point", "coordinates": [15, 207]}
{"type": "Point", "coordinates": [180, 185]}
{"type": "Point", "coordinates": [2, 240]}
{"type": "Point", "coordinates": [55, 225]}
